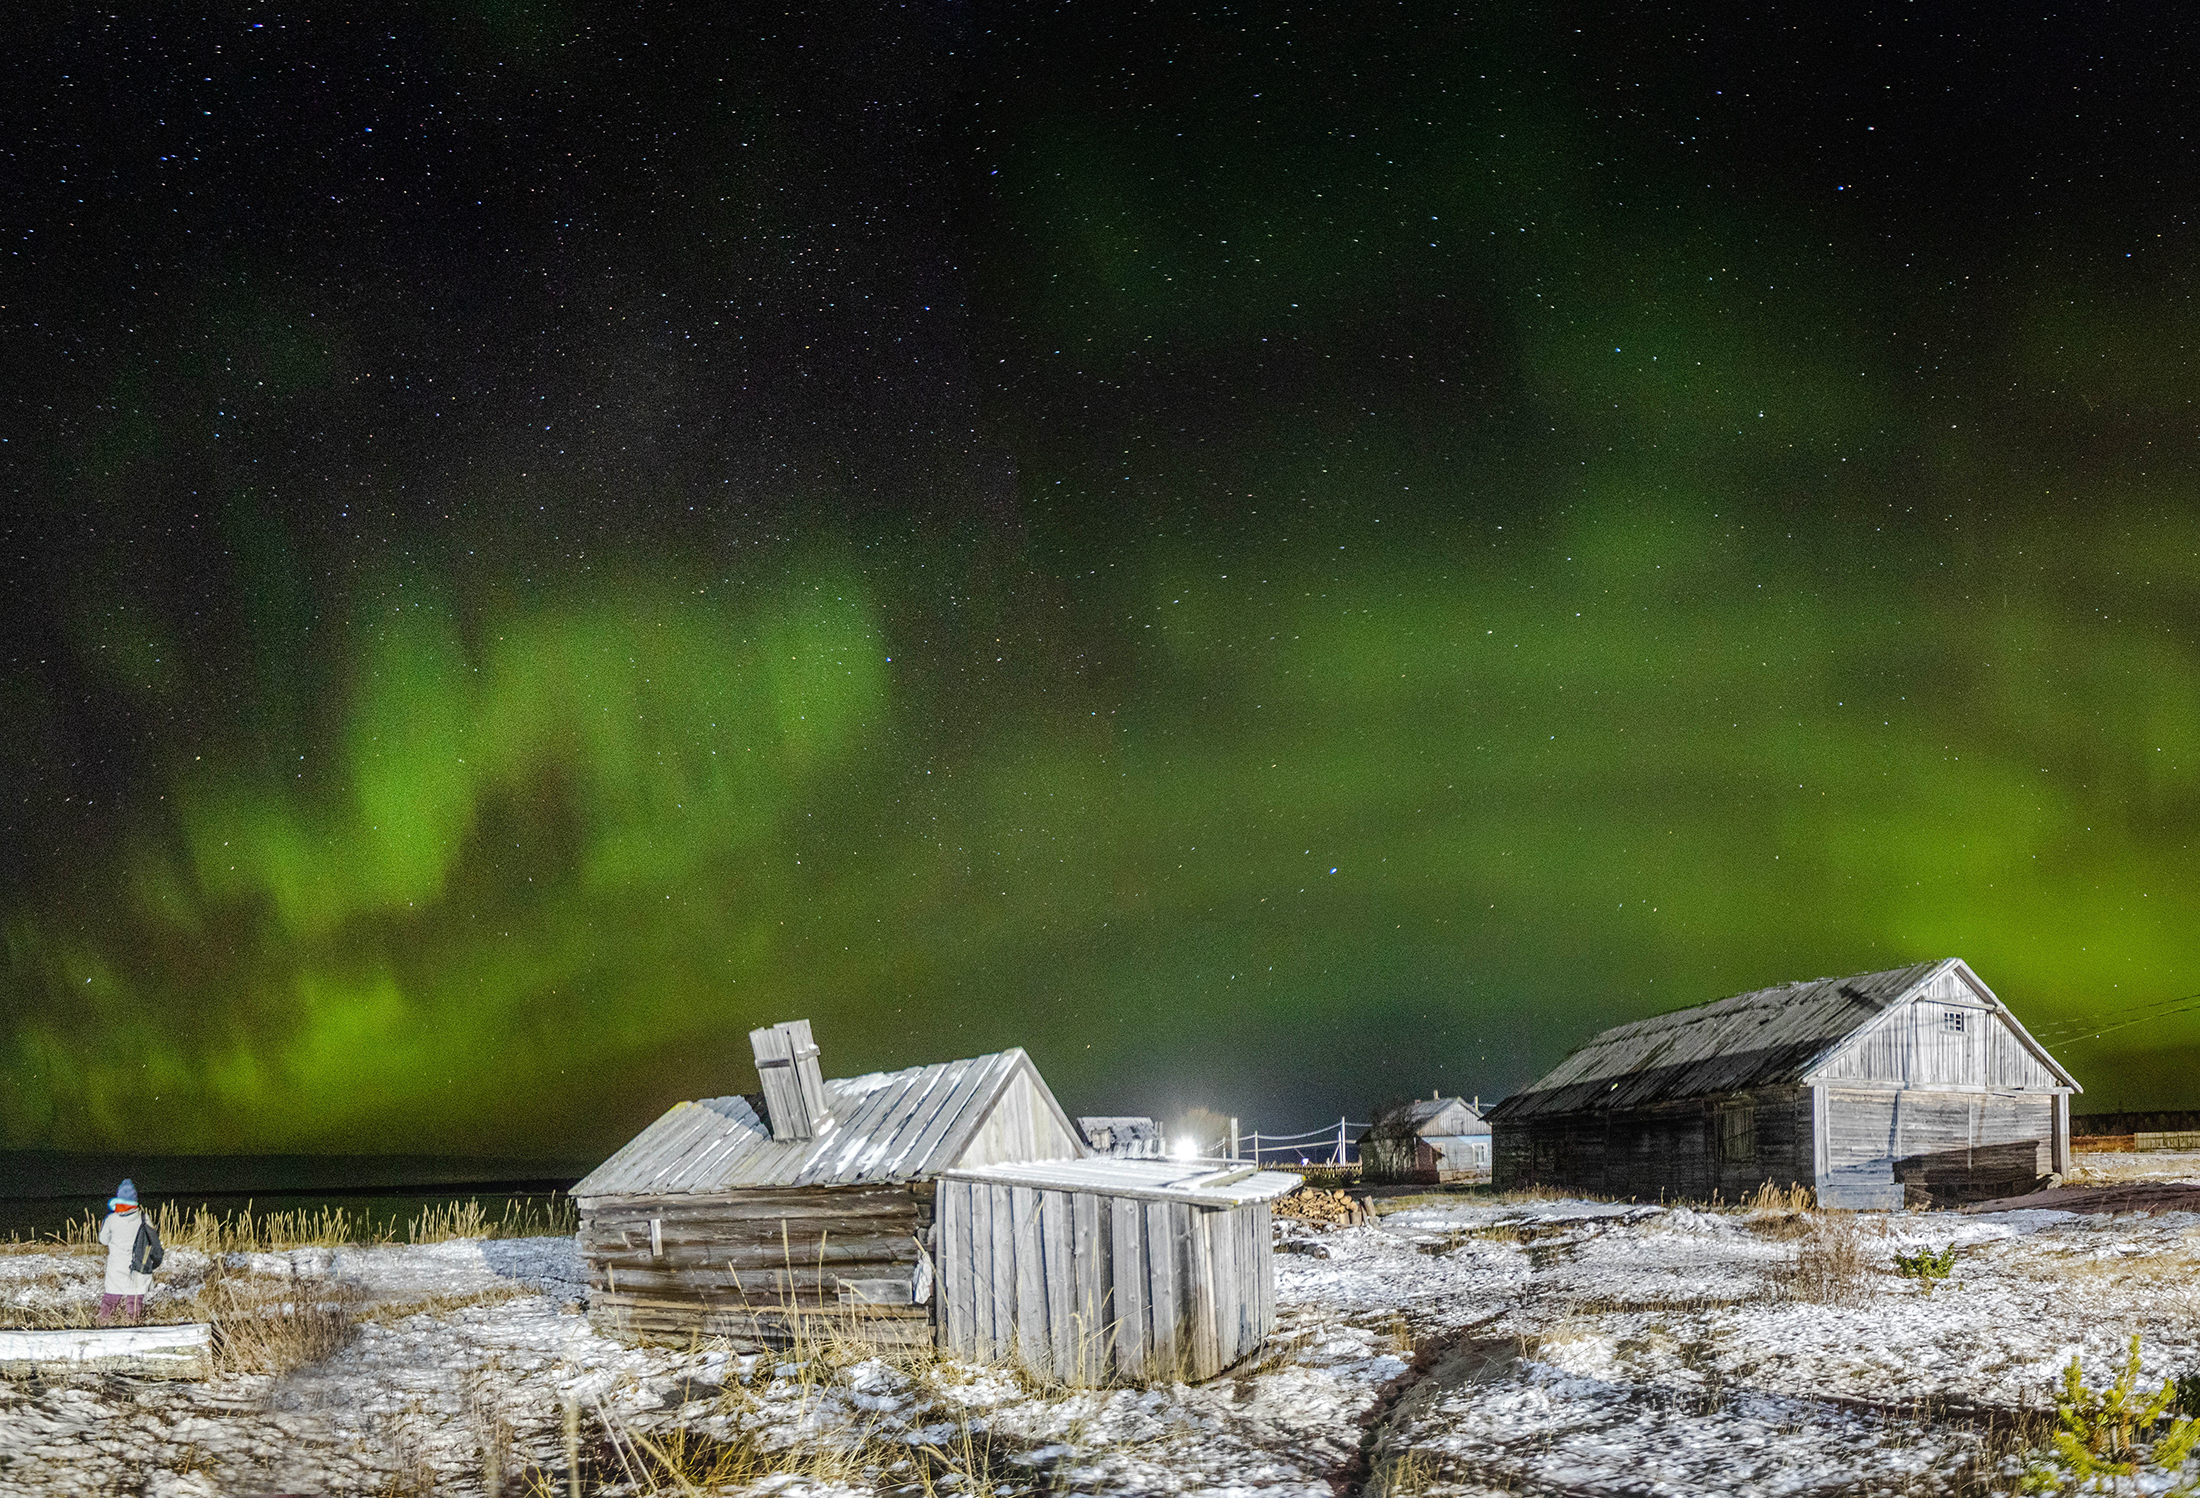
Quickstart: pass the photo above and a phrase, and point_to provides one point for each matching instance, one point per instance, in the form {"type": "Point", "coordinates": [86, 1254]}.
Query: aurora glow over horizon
{"type": "Point", "coordinates": [1271, 591]}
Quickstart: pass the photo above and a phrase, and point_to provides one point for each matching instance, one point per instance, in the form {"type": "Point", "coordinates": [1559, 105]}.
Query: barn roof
{"type": "Point", "coordinates": [882, 1128]}
{"type": "Point", "coordinates": [1757, 1039]}
{"type": "Point", "coordinates": [1207, 1183]}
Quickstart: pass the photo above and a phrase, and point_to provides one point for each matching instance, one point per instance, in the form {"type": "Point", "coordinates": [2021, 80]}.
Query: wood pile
{"type": "Point", "coordinates": [1321, 1209]}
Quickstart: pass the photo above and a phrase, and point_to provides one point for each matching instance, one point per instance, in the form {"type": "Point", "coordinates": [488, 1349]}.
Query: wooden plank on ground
{"type": "Point", "coordinates": [183, 1350]}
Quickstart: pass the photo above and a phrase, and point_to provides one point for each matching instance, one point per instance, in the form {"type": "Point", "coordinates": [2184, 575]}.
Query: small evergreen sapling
{"type": "Point", "coordinates": [2102, 1445]}
{"type": "Point", "coordinates": [1926, 1266]}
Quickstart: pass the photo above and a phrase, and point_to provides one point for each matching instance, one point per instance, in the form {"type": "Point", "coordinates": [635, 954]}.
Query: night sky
{"type": "Point", "coordinates": [1275, 556]}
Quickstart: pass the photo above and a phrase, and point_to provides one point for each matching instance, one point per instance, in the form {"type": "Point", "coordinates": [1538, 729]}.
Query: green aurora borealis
{"type": "Point", "coordinates": [1453, 590]}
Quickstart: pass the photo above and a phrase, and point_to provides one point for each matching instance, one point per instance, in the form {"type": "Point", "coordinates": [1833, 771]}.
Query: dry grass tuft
{"type": "Point", "coordinates": [1834, 1264]}
{"type": "Point", "coordinates": [1406, 1475]}
{"type": "Point", "coordinates": [268, 1325]}
{"type": "Point", "coordinates": [1783, 1201]}
{"type": "Point", "coordinates": [1779, 1213]}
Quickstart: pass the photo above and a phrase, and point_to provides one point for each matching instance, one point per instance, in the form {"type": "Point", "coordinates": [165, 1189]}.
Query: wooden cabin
{"type": "Point", "coordinates": [1090, 1271]}
{"type": "Point", "coordinates": [739, 1216]}
{"type": "Point", "coordinates": [1915, 1084]}
{"type": "Point", "coordinates": [1431, 1139]}
{"type": "Point", "coordinates": [1123, 1136]}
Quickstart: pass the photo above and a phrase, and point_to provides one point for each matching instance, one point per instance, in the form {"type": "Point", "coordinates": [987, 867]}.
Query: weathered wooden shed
{"type": "Point", "coordinates": [1428, 1139]}
{"type": "Point", "coordinates": [1124, 1136]}
{"type": "Point", "coordinates": [739, 1216]}
{"type": "Point", "coordinates": [1083, 1271]}
{"type": "Point", "coordinates": [1916, 1083]}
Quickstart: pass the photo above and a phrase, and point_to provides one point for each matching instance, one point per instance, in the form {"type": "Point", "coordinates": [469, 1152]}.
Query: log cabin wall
{"type": "Point", "coordinates": [758, 1265]}
{"type": "Point", "coordinates": [1690, 1150]}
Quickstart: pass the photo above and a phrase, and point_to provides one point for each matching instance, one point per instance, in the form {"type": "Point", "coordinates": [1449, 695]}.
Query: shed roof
{"type": "Point", "coordinates": [1209, 1183]}
{"type": "Point", "coordinates": [1757, 1039]}
{"type": "Point", "coordinates": [882, 1128]}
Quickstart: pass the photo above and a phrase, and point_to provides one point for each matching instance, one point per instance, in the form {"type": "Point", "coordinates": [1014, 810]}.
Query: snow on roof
{"type": "Point", "coordinates": [1212, 1183]}
{"type": "Point", "coordinates": [882, 1128]}
{"type": "Point", "coordinates": [1762, 1038]}
{"type": "Point", "coordinates": [1424, 1111]}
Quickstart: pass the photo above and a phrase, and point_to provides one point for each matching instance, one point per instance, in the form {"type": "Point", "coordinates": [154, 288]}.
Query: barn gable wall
{"type": "Point", "coordinates": [1023, 1124]}
{"type": "Point", "coordinates": [1944, 1038]}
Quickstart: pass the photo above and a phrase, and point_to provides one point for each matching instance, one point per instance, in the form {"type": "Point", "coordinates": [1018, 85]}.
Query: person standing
{"type": "Point", "coordinates": [129, 1276]}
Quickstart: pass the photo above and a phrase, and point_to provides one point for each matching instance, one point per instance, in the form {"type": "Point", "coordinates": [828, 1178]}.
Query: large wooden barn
{"type": "Point", "coordinates": [739, 1216]}
{"type": "Point", "coordinates": [1917, 1084]}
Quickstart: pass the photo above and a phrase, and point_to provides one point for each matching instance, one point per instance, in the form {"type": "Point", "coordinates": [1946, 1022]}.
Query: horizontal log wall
{"type": "Point", "coordinates": [760, 1267]}
{"type": "Point", "coordinates": [1691, 1150]}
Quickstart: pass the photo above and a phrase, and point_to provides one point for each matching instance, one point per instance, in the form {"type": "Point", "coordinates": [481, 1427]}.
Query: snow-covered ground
{"type": "Point", "coordinates": [1457, 1346]}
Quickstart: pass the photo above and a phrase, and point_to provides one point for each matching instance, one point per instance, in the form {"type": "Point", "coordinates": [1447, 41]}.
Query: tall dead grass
{"type": "Point", "coordinates": [1833, 1263]}
{"type": "Point", "coordinates": [248, 1231]}
{"type": "Point", "coordinates": [262, 1323]}
{"type": "Point", "coordinates": [267, 1325]}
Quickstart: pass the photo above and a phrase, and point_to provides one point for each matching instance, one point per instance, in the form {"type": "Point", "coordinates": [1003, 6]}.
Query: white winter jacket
{"type": "Point", "coordinates": [119, 1233]}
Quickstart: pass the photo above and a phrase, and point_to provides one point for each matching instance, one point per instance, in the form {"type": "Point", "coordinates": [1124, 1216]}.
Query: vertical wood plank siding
{"type": "Point", "coordinates": [1056, 1229]}
{"type": "Point", "coordinates": [957, 1333]}
{"type": "Point", "coordinates": [1943, 1040]}
{"type": "Point", "coordinates": [1131, 1325]}
{"type": "Point", "coordinates": [1082, 1287]}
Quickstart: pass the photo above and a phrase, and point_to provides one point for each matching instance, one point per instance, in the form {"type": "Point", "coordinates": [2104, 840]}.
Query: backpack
{"type": "Point", "coordinates": [146, 1253]}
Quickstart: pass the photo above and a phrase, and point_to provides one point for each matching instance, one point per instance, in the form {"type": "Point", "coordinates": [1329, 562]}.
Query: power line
{"type": "Point", "coordinates": [2090, 1027]}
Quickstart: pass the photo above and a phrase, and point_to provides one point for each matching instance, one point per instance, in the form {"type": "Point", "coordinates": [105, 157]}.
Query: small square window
{"type": "Point", "coordinates": [1951, 1020]}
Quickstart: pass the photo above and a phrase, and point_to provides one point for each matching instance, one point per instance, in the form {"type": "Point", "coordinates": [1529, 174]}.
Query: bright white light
{"type": "Point", "coordinates": [1186, 1150]}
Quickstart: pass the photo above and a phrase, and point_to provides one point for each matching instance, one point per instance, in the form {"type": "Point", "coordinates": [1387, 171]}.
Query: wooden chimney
{"type": "Point", "coordinates": [794, 1088]}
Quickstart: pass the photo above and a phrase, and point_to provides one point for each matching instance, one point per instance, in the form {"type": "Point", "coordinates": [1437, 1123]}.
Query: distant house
{"type": "Point", "coordinates": [740, 1216]}
{"type": "Point", "coordinates": [1429, 1139]}
{"type": "Point", "coordinates": [1916, 1083]}
{"type": "Point", "coordinates": [1124, 1137]}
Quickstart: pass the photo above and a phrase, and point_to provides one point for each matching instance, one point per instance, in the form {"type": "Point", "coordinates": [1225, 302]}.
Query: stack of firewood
{"type": "Point", "coordinates": [1320, 1209]}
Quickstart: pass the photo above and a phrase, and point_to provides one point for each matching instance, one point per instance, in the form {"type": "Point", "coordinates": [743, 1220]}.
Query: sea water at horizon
{"type": "Point", "coordinates": [43, 1190]}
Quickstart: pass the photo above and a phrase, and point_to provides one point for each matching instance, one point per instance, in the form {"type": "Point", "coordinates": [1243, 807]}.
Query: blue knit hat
{"type": "Point", "coordinates": [125, 1194]}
